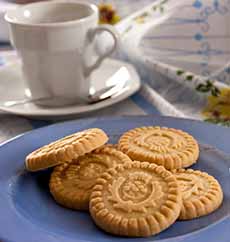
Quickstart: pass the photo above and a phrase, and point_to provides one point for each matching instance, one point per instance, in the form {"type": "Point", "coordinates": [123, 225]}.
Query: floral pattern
{"type": "Point", "coordinates": [202, 94]}
{"type": "Point", "coordinates": [206, 86]}
{"type": "Point", "coordinates": [108, 14]}
{"type": "Point", "coordinates": [218, 108]}
{"type": "Point", "coordinates": [137, 193]}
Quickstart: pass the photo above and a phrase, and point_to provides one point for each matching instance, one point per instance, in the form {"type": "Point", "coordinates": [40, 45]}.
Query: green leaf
{"type": "Point", "coordinates": [218, 121]}
{"type": "Point", "coordinates": [211, 120]}
{"type": "Point", "coordinates": [160, 6]}
{"type": "Point", "coordinates": [143, 15]}
{"type": "Point", "coordinates": [189, 77]}
{"type": "Point", "coordinates": [202, 88]}
{"type": "Point", "coordinates": [215, 91]}
{"type": "Point", "coordinates": [180, 72]}
{"type": "Point", "coordinates": [209, 83]}
{"type": "Point", "coordinates": [128, 29]}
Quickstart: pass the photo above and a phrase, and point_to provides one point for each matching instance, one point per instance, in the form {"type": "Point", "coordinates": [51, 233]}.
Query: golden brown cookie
{"type": "Point", "coordinates": [169, 147]}
{"type": "Point", "coordinates": [71, 183]}
{"type": "Point", "coordinates": [65, 149]}
{"type": "Point", "coordinates": [114, 146]}
{"type": "Point", "coordinates": [137, 199]}
{"type": "Point", "coordinates": [201, 193]}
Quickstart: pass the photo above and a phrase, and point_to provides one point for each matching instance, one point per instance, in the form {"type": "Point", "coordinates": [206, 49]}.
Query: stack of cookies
{"type": "Point", "coordinates": [138, 187]}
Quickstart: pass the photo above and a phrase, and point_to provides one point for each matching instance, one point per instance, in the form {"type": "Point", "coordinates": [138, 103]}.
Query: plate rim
{"type": "Point", "coordinates": [113, 117]}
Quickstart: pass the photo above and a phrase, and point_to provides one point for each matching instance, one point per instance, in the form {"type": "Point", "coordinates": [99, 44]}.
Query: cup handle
{"type": "Point", "coordinates": [92, 34]}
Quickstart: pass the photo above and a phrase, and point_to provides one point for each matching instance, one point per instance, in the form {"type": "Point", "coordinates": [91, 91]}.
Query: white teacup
{"type": "Point", "coordinates": [55, 42]}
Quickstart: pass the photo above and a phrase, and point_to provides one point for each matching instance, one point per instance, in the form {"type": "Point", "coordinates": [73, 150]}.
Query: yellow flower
{"type": "Point", "coordinates": [218, 107]}
{"type": "Point", "coordinates": [141, 19]}
{"type": "Point", "coordinates": [107, 14]}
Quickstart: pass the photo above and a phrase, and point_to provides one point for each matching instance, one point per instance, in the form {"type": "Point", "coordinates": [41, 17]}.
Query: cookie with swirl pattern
{"type": "Point", "coordinates": [137, 199]}
{"type": "Point", "coordinates": [201, 193]}
{"type": "Point", "coordinates": [65, 149]}
{"type": "Point", "coordinates": [169, 147]}
{"type": "Point", "coordinates": [71, 183]}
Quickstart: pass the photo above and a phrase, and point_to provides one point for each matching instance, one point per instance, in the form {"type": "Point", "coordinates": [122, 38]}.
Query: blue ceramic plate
{"type": "Point", "coordinates": [29, 214]}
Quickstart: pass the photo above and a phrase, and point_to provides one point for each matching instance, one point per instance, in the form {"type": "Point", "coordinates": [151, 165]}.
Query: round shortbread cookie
{"type": "Point", "coordinates": [169, 147]}
{"type": "Point", "coordinates": [113, 146]}
{"type": "Point", "coordinates": [71, 183]}
{"type": "Point", "coordinates": [66, 149]}
{"type": "Point", "coordinates": [137, 199]}
{"type": "Point", "coordinates": [201, 193]}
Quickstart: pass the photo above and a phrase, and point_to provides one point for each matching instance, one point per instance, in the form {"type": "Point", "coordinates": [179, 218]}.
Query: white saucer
{"type": "Point", "coordinates": [12, 87]}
